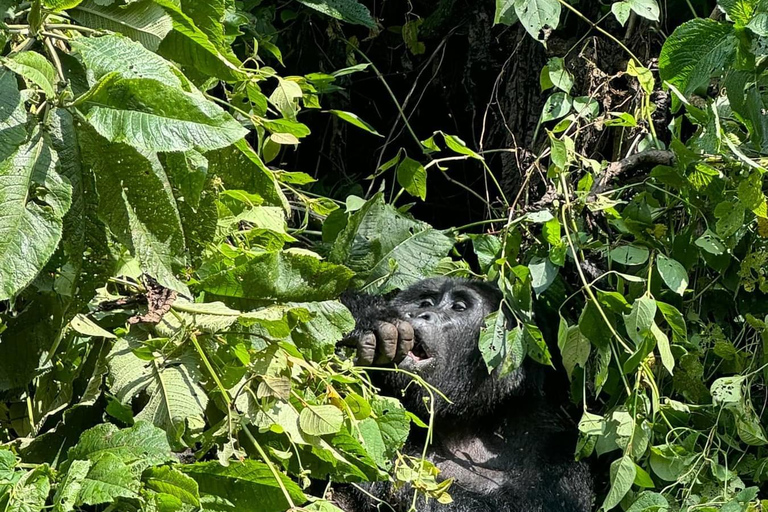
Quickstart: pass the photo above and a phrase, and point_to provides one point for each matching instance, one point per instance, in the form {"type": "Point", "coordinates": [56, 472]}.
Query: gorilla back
{"type": "Point", "coordinates": [507, 448]}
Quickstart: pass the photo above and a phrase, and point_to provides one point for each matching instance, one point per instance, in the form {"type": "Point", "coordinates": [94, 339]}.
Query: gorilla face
{"type": "Point", "coordinates": [446, 316]}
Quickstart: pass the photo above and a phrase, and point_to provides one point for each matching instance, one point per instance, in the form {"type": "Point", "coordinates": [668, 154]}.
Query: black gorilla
{"type": "Point", "coordinates": [506, 447]}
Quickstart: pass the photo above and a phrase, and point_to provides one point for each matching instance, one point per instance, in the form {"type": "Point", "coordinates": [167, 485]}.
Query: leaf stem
{"type": "Point", "coordinates": [268, 462]}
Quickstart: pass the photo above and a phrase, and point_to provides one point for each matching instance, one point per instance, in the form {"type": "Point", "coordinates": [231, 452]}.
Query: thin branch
{"type": "Point", "coordinates": [643, 159]}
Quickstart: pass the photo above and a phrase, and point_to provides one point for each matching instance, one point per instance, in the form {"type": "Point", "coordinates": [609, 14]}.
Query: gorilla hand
{"type": "Point", "coordinates": [387, 342]}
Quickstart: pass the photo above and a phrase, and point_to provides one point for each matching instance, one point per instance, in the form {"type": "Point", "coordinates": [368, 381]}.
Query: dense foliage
{"type": "Point", "coordinates": [168, 312]}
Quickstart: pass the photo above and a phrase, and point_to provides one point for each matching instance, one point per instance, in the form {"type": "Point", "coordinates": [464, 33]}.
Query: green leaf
{"type": "Point", "coordinates": [139, 446]}
{"type": "Point", "coordinates": [68, 490]}
{"type": "Point", "coordinates": [176, 402]}
{"type": "Point", "coordinates": [171, 481]}
{"type": "Point", "coordinates": [575, 349]}
{"type": "Point", "coordinates": [152, 116]}
{"type": "Point", "coordinates": [281, 276]}
{"type": "Point", "coordinates": [505, 12]}
{"type": "Point", "coordinates": [645, 8]}
{"type": "Point", "coordinates": [412, 176]}
{"type": "Point", "coordinates": [558, 105]}
{"type": "Point", "coordinates": [319, 420]}
{"type": "Point", "coordinates": [710, 243]}
{"type": "Point", "coordinates": [355, 120]}
{"type": "Point", "coordinates": [144, 22]}
{"type": "Point", "coordinates": [662, 342]}
{"type": "Point", "coordinates": [543, 274]}
{"type": "Point", "coordinates": [673, 274]}
{"type": "Point", "coordinates": [622, 11]}
{"type": "Point", "coordinates": [249, 485]}
{"type": "Point", "coordinates": [117, 53]}
{"type": "Point", "coordinates": [240, 168]}
{"type": "Point", "coordinates": [535, 15]}
{"type": "Point", "coordinates": [457, 145]}
{"type": "Point", "coordinates": [193, 49]}
{"type": "Point", "coordinates": [387, 249]}
{"type": "Point", "coordinates": [696, 50]}
{"type": "Point", "coordinates": [749, 428]}
{"type": "Point", "coordinates": [741, 11]}
{"type": "Point", "coordinates": [136, 202]}
{"type": "Point", "coordinates": [108, 478]}
{"type": "Point", "coordinates": [649, 501]}
{"type": "Point", "coordinates": [675, 321]}
{"type": "Point", "coordinates": [61, 5]}
{"type": "Point", "coordinates": [317, 336]}
{"type": "Point", "coordinates": [29, 493]}
{"type": "Point", "coordinates": [643, 75]}
{"type": "Point", "coordinates": [730, 217]}
{"type": "Point", "coordinates": [350, 11]}
{"type": "Point", "coordinates": [33, 201]}
{"type": "Point", "coordinates": [500, 347]}
{"type": "Point", "coordinates": [34, 68]}
{"type": "Point", "coordinates": [559, 75]}
{"type": "Point", "coordinates": [640, 320]}
{"type": "Point", "coordinates": [623, 473]}
{"type": "Point", "coordinates": [630, 254]}
{"type": "Point", "coordinates": [727, 392]}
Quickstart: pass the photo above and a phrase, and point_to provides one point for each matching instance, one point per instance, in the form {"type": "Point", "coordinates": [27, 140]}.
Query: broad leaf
{"type": "Point", "coordinates": [536, 15]}
{"type": "Point", "coordinates": [386, 249]}
{"type": "Point", "coordinates": [673, 274]}
{"type": "Point", "coordinates": [350, 11]}
{"type": "Point", "coordinates": [30, 220]}
{"type": "Point", "coordinates": [249, 485]}
{"type": "Point", "coordinates": [412, 176]}
{"type": "Point", "coordinates": [696, 51]}
{"type": "Point", "coordinates": [136, 202]}
{"type": "Point", "coordinates": [175, 399]}
{"type": "Point", "coordinates": [318, 420]}
{"type": "Point", "coordinates": [191, 47]}
{"type": "Point", "coordinates": [171, 481]}
{"type": "Point", "coordinates": [34, 68]}
{"type": "Point", "coordinates": [623, 473]}
{"type": "Point", "coordinates": [149, 115]}
{"type": "Point", "coordinates": [279, 276]}
{"type": "Point", "coordinates": [144, 22]}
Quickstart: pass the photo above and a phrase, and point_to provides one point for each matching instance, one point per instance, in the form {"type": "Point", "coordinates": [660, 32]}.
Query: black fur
{"type": "Point", "coordinates": [506, 446]}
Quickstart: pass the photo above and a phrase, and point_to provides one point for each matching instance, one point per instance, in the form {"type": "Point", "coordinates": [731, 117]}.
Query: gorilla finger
{"type": "Point", "coordinates": [387, 346]}
{"type": "Point", "coordinates": [366, 349]}
{"type": "Point", "coordinates": [405, 333]}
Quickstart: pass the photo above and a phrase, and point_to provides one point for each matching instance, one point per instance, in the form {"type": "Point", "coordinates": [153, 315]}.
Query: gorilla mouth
{"type": "Point", "coordinates": [418, 352]}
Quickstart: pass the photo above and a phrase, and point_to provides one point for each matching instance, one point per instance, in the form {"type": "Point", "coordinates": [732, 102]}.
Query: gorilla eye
{"type": "Point", "coordinates": [459, 306]}
{"type": "Point", "coordinates": [426, 303]}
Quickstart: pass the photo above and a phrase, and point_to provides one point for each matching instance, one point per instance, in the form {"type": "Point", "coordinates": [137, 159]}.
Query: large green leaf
{"type": "Point", "coordinates": [240, 168]}
{"type": "Point", "coordinates": [350, 11]}
{"type": "Point", "coordinates": [88, 261]}
{"type": "Point", "coordinates": [33, 200]}
{"type": "Point", "coordinates": [12, 115]}
{"type": "Point", "coordinates": [145, 22]}
{"type": "Point", "coordinates": [136, 202]}
{"type": "Point", "coordinates": [249, 486]}
{"type": "Point", "coordinates": [176, 400]}
{"type": "Point", "coordinates": [117, 53]}
{"type": "Point", "coordinates": [172, 481]}
{"type": "Point", "coordinates": [387, 249]}
{"type": "Point", "coordinates": [150, 115]}
{"type": "Point", "coordinates": [696, 51]}
{"type": "Point", "coordinates": [535, 15]}
{"type": "Point", "coordinates": [317, 336]}
{"type": "Point", "coordinates": [279, 276]}
{"type": "Point", "coordinates": [29, 493]}
{"type": "Point", "coordinates": [34, 68]}
{"type": "Point", "coordinates": [139, 447]}
{"type": "Point", "coordinates": [192, 48]}
{"type": "Point", "coordinates": [108, 478]}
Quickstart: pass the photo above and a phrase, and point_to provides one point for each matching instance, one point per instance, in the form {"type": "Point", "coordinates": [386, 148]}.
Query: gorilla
{"type": "Point", "coordinates": [505, 445]}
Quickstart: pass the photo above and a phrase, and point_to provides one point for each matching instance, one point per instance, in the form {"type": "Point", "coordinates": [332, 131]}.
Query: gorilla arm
{"type": "Point", "coordinates": [380, 337]}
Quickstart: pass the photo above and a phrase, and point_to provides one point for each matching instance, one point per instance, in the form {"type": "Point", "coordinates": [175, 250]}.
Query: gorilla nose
{"type": "Point", "coordinates": [426, 316]}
